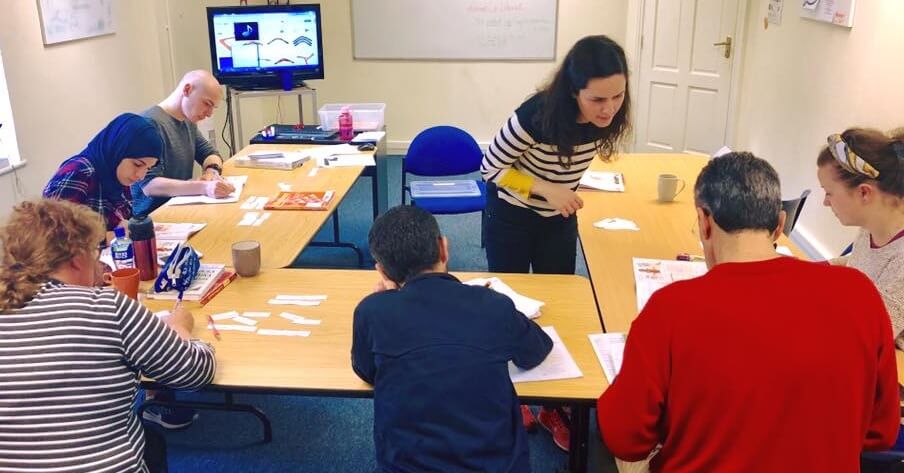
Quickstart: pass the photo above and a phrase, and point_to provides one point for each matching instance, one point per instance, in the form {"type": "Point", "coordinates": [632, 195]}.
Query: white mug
{"type": "Point", "coordinates": [668, 187]}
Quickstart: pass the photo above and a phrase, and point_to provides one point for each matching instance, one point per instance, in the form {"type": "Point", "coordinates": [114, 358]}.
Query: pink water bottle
{"type": "Point", "coordinates": [346, 130]}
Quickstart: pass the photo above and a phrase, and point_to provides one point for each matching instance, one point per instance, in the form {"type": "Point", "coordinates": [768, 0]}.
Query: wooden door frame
{"type": "Point", "coordinates": [633, 35]}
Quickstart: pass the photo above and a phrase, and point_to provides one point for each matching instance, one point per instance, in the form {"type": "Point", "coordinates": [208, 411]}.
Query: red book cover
{"type": "Point", "coordinates": [300, 201]}
{"type": "Point", "coordinates": [225, 278]}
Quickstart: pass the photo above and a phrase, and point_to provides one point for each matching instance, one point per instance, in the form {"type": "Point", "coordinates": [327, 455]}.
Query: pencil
{"type": "Point", "coordinates": [213, 327]}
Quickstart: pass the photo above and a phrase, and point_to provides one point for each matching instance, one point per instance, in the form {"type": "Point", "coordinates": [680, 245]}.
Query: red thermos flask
{"type": "Point", "coordinates": [141, 231]}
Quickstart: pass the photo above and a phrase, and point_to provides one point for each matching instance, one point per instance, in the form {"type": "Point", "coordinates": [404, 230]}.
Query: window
{"type": "Point", "coordinates": [9, 148]}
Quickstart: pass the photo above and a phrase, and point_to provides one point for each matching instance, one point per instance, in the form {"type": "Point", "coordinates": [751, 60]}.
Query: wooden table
{"type": "Point", "coordinates": [321, 363]}
{"type": "Point", "coordinates": [666, 229]}
{"type": "Point", "coordinates": [285, 233]}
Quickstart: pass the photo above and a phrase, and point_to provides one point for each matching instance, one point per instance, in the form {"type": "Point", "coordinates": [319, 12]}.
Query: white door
{"type": "Point", "coordinates": [685, 76]}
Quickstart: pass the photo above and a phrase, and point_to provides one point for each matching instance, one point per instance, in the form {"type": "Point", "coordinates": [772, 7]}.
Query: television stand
{"type": "Point", "coordinates": [233, 101]}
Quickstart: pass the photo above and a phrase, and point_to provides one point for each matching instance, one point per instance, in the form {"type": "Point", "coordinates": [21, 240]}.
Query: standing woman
{"type": "Point", "coordinates": [862, 173]}
{"type": "Point", "coordinates": [536, 162]}
{"type": "Point", "coordinates": [538, 157]}
{"type": "Point", "coordinates": [99, 177]}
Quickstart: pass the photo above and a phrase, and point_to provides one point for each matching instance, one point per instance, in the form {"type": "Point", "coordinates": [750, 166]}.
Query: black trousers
{"type": "Point", "coordinates": [154, 450]}
{"type": "Point", "coordinates": [519, 240]}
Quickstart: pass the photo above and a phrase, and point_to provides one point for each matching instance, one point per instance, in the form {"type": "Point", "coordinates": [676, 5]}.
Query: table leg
{"type": "Point", "coordinates": [577, 451]}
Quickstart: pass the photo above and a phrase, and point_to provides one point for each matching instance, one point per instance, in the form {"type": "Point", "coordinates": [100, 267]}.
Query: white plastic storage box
{"type": "Point", "coordinates": [365, 116]}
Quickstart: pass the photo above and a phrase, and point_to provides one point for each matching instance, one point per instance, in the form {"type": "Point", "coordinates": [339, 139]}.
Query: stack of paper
{"type": "Point", "coordinates": [604, 181]}
{"type": "Point", "coordinates": [237, 181]}
{"type": "Point", "coordinates": [525, 305]}
{"type": "Point", "coordinates": [558, 364]}
{"type": "Point", "coordinates": [650, 275]}
{"type": "Point", "coordinates": [610, 349]}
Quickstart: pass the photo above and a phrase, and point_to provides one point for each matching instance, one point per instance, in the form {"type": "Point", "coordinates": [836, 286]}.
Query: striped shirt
{"type": "Point", "coordinates": [70, 363]}
{"type": "Point", "coordinates": [520, 145]}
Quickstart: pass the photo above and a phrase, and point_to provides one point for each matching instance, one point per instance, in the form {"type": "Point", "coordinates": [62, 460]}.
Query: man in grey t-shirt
{"type": "Point", "coordinates": [176, 116]}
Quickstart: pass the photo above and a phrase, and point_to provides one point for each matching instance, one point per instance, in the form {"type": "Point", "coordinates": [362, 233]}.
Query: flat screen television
{"type": "Point", "coordinates": [265, 47]}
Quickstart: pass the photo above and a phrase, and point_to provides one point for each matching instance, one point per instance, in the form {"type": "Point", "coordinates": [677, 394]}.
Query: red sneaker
{"type": "Point", "coordinates": [527, 417]}
{"type": "Point", "coordinates": [552, 421]}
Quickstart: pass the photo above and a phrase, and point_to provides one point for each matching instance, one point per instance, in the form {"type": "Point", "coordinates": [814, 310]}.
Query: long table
{"type": "Point", "coordinates": [285, 233]}
{"type": "Point", "coordinates": [320, 365]}
{"type": "Point", "coordinates": [666, 229]}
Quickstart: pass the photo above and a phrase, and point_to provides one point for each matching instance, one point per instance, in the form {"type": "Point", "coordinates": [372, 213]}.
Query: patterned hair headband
{"type": "Point", "coordinates": [849, 160]}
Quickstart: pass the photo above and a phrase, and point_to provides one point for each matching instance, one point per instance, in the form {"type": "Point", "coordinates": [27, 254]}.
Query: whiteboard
{"type": "Point", "coordinates": [837, 12]}
{"type": "Point", "coordinates": [66, 20]}
{"type": "Point", "coordinates": [454, 29]}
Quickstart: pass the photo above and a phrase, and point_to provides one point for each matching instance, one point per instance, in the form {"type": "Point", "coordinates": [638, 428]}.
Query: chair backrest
{"type": "Point", "coordinates": [793, 208]}
{"type": "Point", "coordinates": [443, 151]}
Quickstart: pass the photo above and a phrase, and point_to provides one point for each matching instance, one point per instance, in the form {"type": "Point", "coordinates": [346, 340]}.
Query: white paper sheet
{"type": "Point", "coordinates": [615, 223]}
{"type": "Point", "coordinates": [558, 364]}
{"type": "Point", "coordinates": [525, 305]}
{"type": "Point", "coordinates": [610, 349]}
{"type": "Point", "coordinates": [224, 315]}
{"type": "Point", "coordinates": [650, 275]}
{"type": "Point", "coordinates": [237, 181]}
{"type": "Point", "coordinates": [256, 315]}
{"type": "Point", "coordinates": [603, 181]}
{"type": "Point", "coordinates": [231, 327]}
{"type": "Point", "coordinates": [284, 333]}
{"type": "Point", "coordinates": [307, 322]}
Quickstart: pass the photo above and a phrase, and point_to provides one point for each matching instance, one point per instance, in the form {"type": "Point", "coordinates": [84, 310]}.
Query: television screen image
{"type": "Point", "coordinates": [254, 46]}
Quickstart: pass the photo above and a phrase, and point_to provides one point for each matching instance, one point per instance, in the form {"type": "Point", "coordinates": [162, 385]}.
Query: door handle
{"type": "Point", "coordinates": [727, 45]}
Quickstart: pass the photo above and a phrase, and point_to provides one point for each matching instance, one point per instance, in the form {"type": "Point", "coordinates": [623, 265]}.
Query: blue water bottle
{"type": "Point", "coordinates": [121, 247]}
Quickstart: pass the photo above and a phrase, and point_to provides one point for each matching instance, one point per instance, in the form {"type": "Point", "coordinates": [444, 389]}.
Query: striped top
{"type": "Point", "coordinates": [520, 145]}
{"type": "Point", "coordinates": [70, 362]}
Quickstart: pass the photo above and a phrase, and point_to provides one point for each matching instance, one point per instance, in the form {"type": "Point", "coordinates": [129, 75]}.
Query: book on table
{"type": "Point", "coordinates": [208, 274]}
{"type": "Point", "coordinates": [283, 160]}
{"type": "Point", "coordinates": [302, 200]}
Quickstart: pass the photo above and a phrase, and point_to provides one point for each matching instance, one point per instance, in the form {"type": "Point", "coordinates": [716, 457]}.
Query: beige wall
{"type": "Point", "coordinates": [477, 96]}
{"type": "Point", "coordinates": [803, 80]}
{"type": "Point", "coordinates": [63, 94]}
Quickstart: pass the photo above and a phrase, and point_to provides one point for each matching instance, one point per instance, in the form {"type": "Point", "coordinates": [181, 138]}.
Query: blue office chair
{"type": "Point", "coordinates": [445, 151]}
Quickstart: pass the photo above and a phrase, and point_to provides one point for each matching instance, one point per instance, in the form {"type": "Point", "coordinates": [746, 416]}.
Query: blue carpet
{"type": "Point", "coordinates": [330, 434]}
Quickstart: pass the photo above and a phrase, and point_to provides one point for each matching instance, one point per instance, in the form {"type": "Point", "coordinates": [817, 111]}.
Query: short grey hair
{"type": "Point", "coordinates": [741, 192]}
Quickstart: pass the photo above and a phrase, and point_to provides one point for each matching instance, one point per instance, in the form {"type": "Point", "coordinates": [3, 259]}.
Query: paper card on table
{"type": "Point", "coordinates": [301, 303]}
{"type": "Point", "coordinates": [558, 364]}
{"type": "Point", "coordinates": [237, 328]}
{"type": "Point", "coordinates": [256, 315]}
{"type": "Point", "coordinates": [525, 305]}
{"type": "Point", "coordinates": [224, 315]}
{"type": "Point", "coordinates": [307, 322]}
{"type": "Point", "coordinates": [284, 187]}
{"type": "Point", "coordinates": [312, 172]}
{"type": "Point", "coordinates": [650, 275]}
{"type": "Point", "coordinates": [610, 349]}
{"type": "Point", "coordinates": [244, 320]}
{"type": "Point", "coordinates": [615, 223]}
{"type": "Point", "coordinates": [290, 316]}
{"type": "Point", "coordinates": [783, 250]}
{"type": "Point", "coordinates": [261, 219]}
{"type": "Point", "coordinates": [248, 219]}
{"type": "Point", "coordinates": [237, 181]}
{"type": "Point", "coordinates": [285, 333]}
{"type": "Point", "coordinates": [603, 181]}
{"type": "Point", "coordinates": [255, 202]}
{"type": "Point", "coordinates": [162, 313]}
{"type": "Point", "coordinates": [300, 297]}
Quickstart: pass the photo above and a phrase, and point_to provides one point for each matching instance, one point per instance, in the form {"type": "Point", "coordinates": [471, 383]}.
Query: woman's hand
{"type": "Point", "coordinates": [560, 197]}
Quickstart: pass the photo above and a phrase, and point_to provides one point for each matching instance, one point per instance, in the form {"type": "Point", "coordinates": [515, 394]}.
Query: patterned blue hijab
{"type": "Point", "coordinates": [127, 136]}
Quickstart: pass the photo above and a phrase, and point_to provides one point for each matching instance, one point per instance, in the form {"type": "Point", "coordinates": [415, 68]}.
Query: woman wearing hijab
{"type": "Point", "coordinates": [99, 177]}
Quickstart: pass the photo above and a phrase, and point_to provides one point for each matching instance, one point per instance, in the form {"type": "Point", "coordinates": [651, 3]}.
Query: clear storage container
{"type": "Point", "coordinates": [365, 116]}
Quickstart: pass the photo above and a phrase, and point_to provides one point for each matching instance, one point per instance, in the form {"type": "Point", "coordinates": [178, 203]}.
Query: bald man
{"type": "Point", "coordinates": [195, 99]}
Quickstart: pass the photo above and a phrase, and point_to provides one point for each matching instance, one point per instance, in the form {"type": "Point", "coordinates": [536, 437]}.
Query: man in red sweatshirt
{"type": "Point", "coordinates": [764, 364]}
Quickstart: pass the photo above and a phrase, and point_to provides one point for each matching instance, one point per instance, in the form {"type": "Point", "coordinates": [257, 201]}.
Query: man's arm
{"type": "Point", "coordinates": [632, 407]}
{"type": "Point", "coordinates": [362, 344]}
{"type": "Point", "coordinates": [531, 343]}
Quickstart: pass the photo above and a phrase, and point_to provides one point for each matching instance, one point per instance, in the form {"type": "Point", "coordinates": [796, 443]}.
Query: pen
{"type": "Point", "coordinates": [689, 257]}
{"type": "Point", "coordinates": [213, 327]}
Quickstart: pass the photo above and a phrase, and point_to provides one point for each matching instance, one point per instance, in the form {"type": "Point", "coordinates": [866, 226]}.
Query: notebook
{"type": "Point", "coordinates": [426, 189]}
